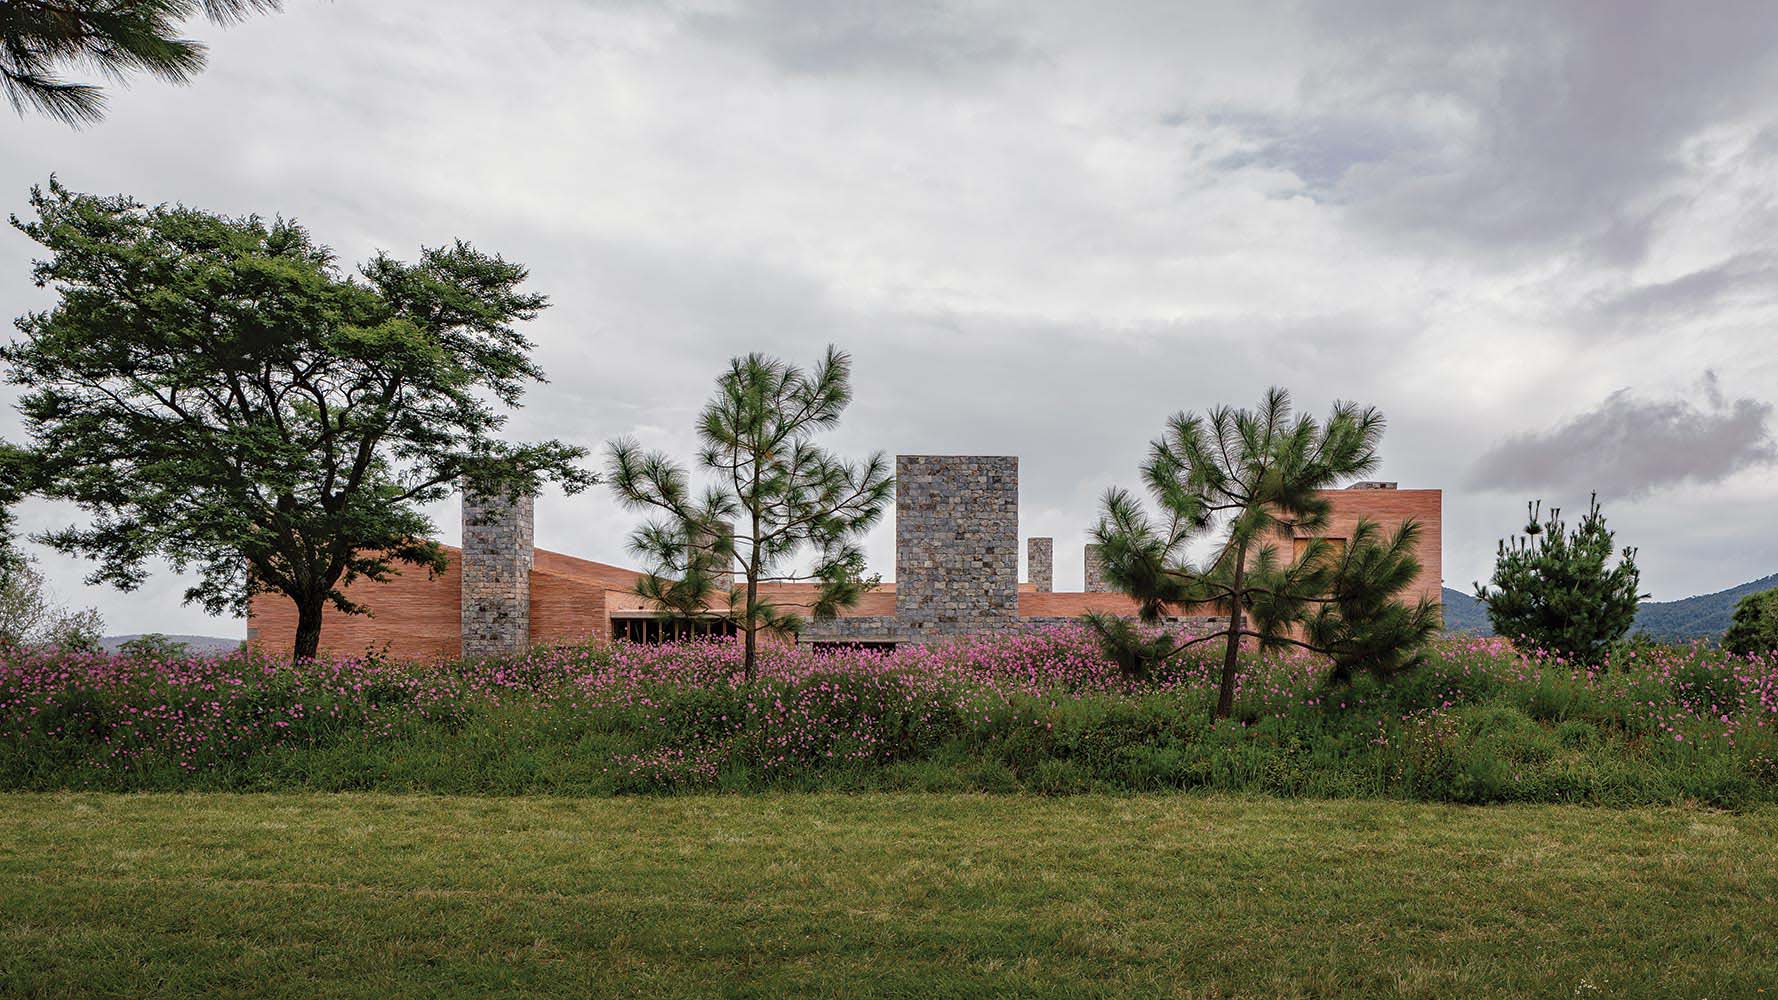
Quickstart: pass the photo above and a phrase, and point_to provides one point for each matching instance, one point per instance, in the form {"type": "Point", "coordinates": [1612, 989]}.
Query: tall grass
{"type": "Point", "coordinates": [1042, 712]}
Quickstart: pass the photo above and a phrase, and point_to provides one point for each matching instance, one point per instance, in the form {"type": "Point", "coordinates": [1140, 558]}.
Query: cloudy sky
{"type": "Point", "coordinates": [1542, 238]}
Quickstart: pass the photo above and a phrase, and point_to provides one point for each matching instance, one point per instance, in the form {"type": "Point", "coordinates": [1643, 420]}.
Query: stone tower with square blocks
{"type": "Point", "coordinates": [498, 549]}
{"type": "Point", "coordinates": [956, 544]}
{"type": "Point", "coordinates": [1095, 580]}
{"type": "Point", "coordinates": [1040, 557]}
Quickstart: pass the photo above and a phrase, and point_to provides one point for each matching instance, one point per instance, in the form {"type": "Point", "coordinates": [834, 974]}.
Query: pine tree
{"type": "Point", "coordinates": [1257, 474]}
{"type": "Point", "coordinates": [1558, 590]}
{"type": "Point", "coordinates": [790, 496]}
{"type": "Point", "coordinates": [39, 39]}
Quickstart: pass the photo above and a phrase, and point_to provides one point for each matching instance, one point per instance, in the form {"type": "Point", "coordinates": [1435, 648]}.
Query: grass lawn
{"type": "Point", "coordinates": [878, 895]}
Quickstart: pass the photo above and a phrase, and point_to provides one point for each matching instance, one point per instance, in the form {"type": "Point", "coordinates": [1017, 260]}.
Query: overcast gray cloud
{"type": "Point", "coordinates": [1039, 227]}
{"type": "Point", "coordinates": [914, 40]}
{"type": "Point", "coordinates": [1742, 283]}
{"type": "Point", "coordinates": [1629, 446]}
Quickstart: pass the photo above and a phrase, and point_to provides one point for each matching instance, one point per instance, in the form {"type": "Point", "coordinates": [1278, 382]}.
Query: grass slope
{"type": "Point", "coordinates": [877, 895]}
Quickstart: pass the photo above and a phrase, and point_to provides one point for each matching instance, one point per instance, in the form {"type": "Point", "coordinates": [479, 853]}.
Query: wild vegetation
{"type": "Point", "coordinates": [1048, 712]}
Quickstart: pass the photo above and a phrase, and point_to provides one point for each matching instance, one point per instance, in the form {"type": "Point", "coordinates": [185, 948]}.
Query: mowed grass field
{"type": "Point", "coordinates": [878, 895]}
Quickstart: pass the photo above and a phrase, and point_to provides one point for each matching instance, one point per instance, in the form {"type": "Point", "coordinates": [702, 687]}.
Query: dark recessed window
{"type": "Point", "coordinates": [838, 645]}
{"type": "Point", "coordinates": [658, 630]}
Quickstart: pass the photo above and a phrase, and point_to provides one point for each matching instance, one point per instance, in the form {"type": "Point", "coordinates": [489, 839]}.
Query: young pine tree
{"type": "Point", "coordinates": [782, 494]}
{"type": "Point", "coordinates": [1558, 589]}
{"type": "Point", "coordinates": [1255, 475]}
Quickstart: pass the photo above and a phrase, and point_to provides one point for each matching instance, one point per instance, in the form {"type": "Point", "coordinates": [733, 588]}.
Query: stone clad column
{"type": "Point", "coordinates": [956, 544]}
{"type": "Point", "coordinates": [1096, 571]}
{"type": "Point", "coordinates": [499, 541]}
{"type": "Point", "coordinates": [1040, 553]}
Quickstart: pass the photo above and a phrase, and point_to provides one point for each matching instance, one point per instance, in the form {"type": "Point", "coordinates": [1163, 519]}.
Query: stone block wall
{"type": "Point", "coordinates": [1096, 571]}
{"type": "Point", "coordinates": [859, 628]}
{"type": "Point", "coordinates": [1040, 555]}
{"type": "Point", "coordinates": [499, 539]}
{"type": "Point", "coordinates": [956, 544]}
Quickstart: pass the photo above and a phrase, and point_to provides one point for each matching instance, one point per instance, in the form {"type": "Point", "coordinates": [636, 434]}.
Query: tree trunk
{"type": "Point", "coordinates": [1225, 694]}
{"type": "Point", "coordinates": [308, 626]}
{"type": "Point", "coordinates": [748, 642]}
{"type": "Point", "coordinates": [749, 652]}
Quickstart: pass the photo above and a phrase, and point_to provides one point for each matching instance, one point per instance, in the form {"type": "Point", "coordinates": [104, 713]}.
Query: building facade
{"type": "Point", "coordinates": [956, 573]}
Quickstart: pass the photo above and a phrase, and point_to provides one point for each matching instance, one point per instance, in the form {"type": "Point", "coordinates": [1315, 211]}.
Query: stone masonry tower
{"type": "Point", "coordinates": [498, 543]}
{"type": "Point", "coordinates": [956, 544]}
{"type": "Point", "coordinates": [1040, 553]}
{"type": "Point", "coordinates": [1095, 570]}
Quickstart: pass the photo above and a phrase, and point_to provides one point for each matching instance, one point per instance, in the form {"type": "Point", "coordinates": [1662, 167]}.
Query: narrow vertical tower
{"type": "Point", "coordinates": [1095, 570]}
{"type": "Point", "coordinates": [499, 535]}
{"type": "Point", "coordinates": [956, 544]}
{"type": "Point", "coordinates": [1040, 553]}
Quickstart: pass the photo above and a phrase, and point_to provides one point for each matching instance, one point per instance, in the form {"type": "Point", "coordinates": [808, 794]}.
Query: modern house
{"type": "Point", "coordinates": [956, 573]}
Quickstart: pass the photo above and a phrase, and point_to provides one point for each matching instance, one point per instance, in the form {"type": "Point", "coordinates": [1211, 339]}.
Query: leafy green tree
{"type": "Point", "coordinates": [40, 39]}
{"type": "Point", "coordinates": [789, 496]}
{"type": "Point", "coordinates": [1256, 475]}
{"type": "Point", "coordinates": [1559, 590]}
{"type": "Point", "coordinates": [155, 646]}
{"type": "Point", "coordinates": [1754, 627]}
{"type": "Point", "coordinates": [215, 391]}
{"type": "Point", "coordinates": [30, 615]}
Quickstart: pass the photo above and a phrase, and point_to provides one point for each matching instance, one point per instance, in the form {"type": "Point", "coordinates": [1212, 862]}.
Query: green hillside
{"type": "Point", "coordinates": [1702, 617]}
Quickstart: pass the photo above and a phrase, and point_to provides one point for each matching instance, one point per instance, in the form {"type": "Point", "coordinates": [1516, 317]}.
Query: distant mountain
{"type": "Point", "coordinates": [1464, 613]}
{"type": "Point", "coordinates": [199, 644]}
{"type": "Point", "coordinates": [1703, 617]}
{"type": "Point", "coordinates": [1706, 615]}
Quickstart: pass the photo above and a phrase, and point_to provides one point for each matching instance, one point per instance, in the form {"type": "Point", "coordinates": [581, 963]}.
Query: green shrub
{"type": "Point", "coordinates": [1753, 630]}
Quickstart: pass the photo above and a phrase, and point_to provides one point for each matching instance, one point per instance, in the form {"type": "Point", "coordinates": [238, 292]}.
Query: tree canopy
{"type": "Point", "coordinates": [1254, 477]}
{"type": "Point", "coordinates": [1754, 628]}
{"type": "Point", "coordinates": [1559, 590]}
{"type": "Point", "coordinates": [789, 496]}
{"type": "Point", "coordinates": [40, 40]}
{"type": "Point", "coordinates": [215, 391]}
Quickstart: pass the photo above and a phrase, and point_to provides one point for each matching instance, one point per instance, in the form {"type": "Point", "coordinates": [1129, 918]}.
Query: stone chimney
{"type": "Point", "coordinates": [956, 543]}
{"type": "Point", "coordinates": [1040, 553]}
{"type": "Point", "coordinates": [499, 539]}
{"type": "Point", "coordinates": [1096, 570]}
